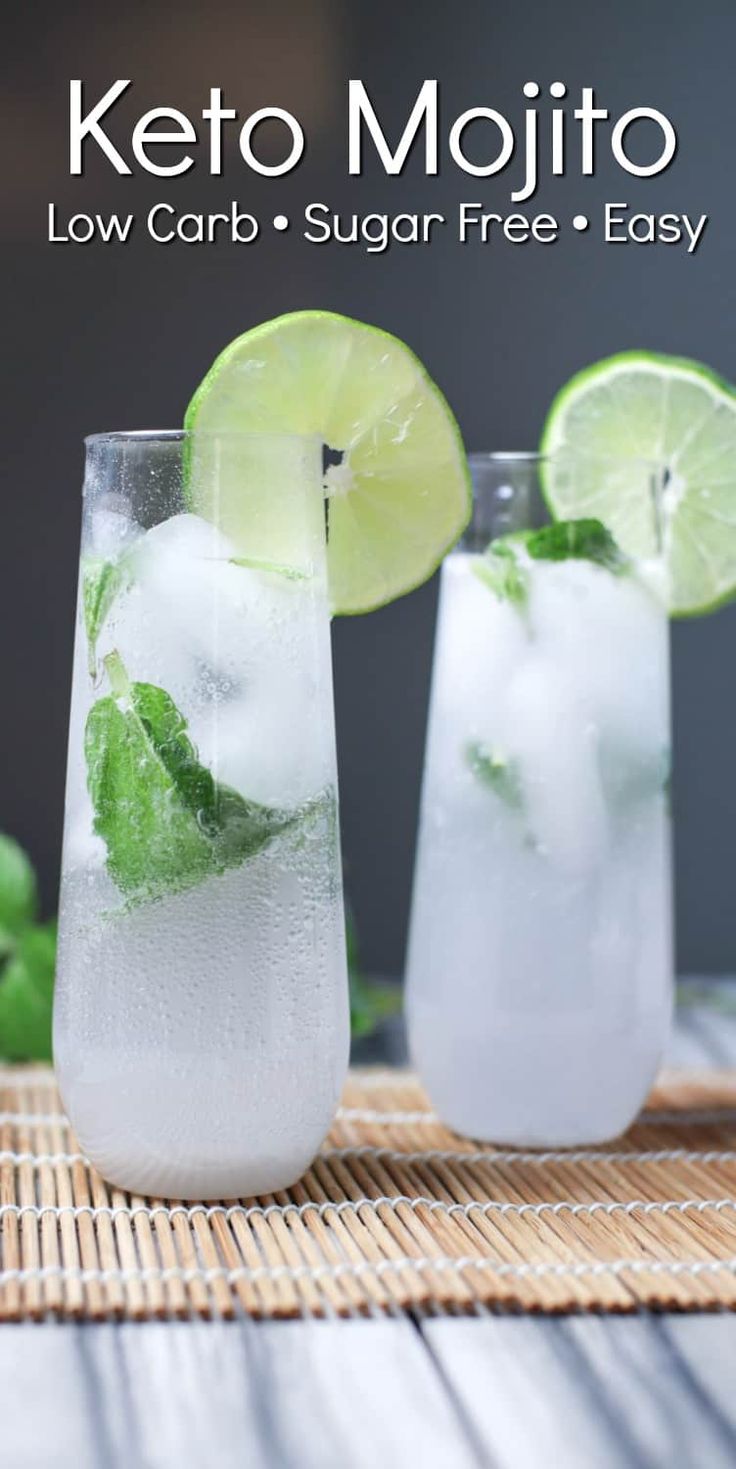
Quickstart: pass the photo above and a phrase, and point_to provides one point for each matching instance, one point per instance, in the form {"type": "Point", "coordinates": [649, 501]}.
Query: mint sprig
{"type": "Point", "coordinates": [576, 540]}
{"type": "Point", "coordinates": [166, 822]}
{"type": "Point", "coordinates": [102, 581]}
{"type": "Point", "coordinates": [27, 995]}
{"type": "Point", "coordinates": [27, 961]}
{"type": "Point", "coordinates": [371, 1000]}
{"type": "Point", "coordinates": [18, 892]}
{"type": "Point", "coordinates": [499, 569]}
{"type": "Point", "coordinates": [504, 566]}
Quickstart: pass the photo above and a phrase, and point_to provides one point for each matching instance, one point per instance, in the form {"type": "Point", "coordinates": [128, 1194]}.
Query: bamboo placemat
{"type": "Point", "coordinates": [396, 1214]}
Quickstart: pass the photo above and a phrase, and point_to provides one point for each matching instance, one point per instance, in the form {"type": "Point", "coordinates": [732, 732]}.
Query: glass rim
{"type": "Point", "coordinates": [505, 456]}
{"type": "Point", "coordinates": [508, 458]}
{"type": "Point", "coordinates": [183, 435]}
{"type": "Point", "coordinates": [519, 489]}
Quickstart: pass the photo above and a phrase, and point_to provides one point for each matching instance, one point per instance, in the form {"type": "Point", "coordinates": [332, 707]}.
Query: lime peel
{"type": "Point", "coordinates": [679, 418]}
{"type": "Point", "coordinates": [400, 497]}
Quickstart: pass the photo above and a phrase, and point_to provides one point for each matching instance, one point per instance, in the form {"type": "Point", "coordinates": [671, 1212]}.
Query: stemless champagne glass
{"type": "Point", "coordinates": [540, 954]}
{"type": "Point", "coordinates": [201, 1017]}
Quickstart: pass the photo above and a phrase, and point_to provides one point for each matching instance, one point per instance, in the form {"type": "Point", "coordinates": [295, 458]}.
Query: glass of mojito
{"type": "Point", "coordinates": [201, 1010]}
{"type": "Point", "coordinates": [539, 983]}
{"type": "Point", "coordinates": [201, 1024]}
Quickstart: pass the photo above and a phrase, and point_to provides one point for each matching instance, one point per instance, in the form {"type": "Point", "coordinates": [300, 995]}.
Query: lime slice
{"type": "Point", "coordinates": [399, 495]}
{"type": "Point", "coordinates": [681, 418]}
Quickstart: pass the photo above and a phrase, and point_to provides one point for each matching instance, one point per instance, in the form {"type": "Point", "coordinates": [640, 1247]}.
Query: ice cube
{"type": "Point", "coordinates": [243, 652]}
{"type": "Point", "coordinates": [492, 635]}
{"type": "Point", "coordinates": [543, 723]}
{"type": "Point", "coordinates": [608, 637]}
{"type": "Point", "coordinates": [110, 532]}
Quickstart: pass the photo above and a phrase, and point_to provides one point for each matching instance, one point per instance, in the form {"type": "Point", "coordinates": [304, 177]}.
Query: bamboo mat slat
{"type": "Point", "coordinates": [396, 1214]}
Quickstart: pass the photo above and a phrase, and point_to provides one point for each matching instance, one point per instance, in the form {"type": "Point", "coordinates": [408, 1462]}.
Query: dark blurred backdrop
{"type": "Point", "coordinates": [103, 337]}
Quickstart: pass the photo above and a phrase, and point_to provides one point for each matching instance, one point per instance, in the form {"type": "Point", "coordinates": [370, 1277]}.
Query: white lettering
{"type": "Point", "coordinates": [143, 139]}
{"type": "Point", "coordinates": [215, 115]}
{"type": "Point", "coordinates": [643, 170]}
{"type": "Point", "coordinates": [482, 170]}
{"type": "Point", "coordinates": [588, 115]}
{"type": "Point", "coordinates": [424, 112]}
{"type": "Point", "coordinates": [82, 127]}
{"type": "Point", "coordinates": [271, 170]}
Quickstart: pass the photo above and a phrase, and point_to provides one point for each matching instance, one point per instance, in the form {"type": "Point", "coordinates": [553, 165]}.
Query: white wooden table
{"type": "Point", "coordinates": [643, 1392]}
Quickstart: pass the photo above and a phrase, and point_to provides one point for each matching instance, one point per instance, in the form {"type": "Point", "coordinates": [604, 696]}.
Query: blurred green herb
{"type": "Point", "coordinates": [501, 568]}
{"type": "Point", "coordinates": [102, 580]}
{"type": "Point", "coordinates": [27, 961]}
{"type": "Point", "coordinates": [576, 540]}
{"type": "Point", "coordinates": [370, 1001]}
{"type": "Point", "coordinates": [496, 772]}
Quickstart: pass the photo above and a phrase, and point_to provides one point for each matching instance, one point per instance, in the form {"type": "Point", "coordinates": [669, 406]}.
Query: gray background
{"type": "Point", "coordinates": [117, 336]}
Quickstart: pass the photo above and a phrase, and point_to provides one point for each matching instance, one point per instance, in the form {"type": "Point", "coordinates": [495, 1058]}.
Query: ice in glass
{"type": "Point", "coordinates": [201, 1020]}
{"type": "Point", "coordinates": [540, 955]}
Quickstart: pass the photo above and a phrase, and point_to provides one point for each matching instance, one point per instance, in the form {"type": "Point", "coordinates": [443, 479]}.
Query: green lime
{"type": "Point", "coordinates": [677, 417]}
{"type": "Point", "coordinates": [399, 490]}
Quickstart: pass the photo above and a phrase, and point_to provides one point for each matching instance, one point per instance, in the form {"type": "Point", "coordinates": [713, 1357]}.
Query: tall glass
{"type": "Point", "coordinates": [539, 976]}
{"type": "Point", "coordinates": [201, 1017]}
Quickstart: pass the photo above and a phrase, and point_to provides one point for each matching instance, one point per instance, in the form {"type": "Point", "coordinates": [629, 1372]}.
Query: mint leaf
{"type": "Point", "coordinates": [371, 1001]}
{"type": "Point", "coordinates": [497, 773]}
{"type": "Point", "coordinates": [579, 540]}
{"type": "Point", "coordinates": [166, 823]}
{"type": "Point", "coordinates": [27, 961]}
{"type": "Point", "coordinates": [499, 569]}
{"type": "Point", "coordinates": [102, 581]}
{"type": "Point", "coordinates": [26, 996]}
{"type": "Point", "coordinates": [18, 892]}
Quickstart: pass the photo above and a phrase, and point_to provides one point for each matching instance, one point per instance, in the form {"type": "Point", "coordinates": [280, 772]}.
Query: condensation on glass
{"type": "Point", "coordinates": [539, 977]}
{"type": "Point", "coordinates": [201, 1017]}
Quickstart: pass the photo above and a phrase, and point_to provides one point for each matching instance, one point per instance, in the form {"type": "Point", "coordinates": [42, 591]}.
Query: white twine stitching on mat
{"type": "Point", "coordinates": [372, 1078]}
{"type": "Point", "coordinates": [510, 1155]}
{"type": "Point", "coordinates": [35, 1119]}
{"type": "Point", "coordinates": [42, 1160]}
{"type": "Point", "coordinates": [314, 1273]}
{"type": "Point", "coordinates": [370, 1114]}
{"type": "Point", "coordinates": [688, 1116]}
{"type": "Point", "coordinates": [248, 1211]}
{"type": "Point", "coordinates": [13, 1076]}
{"type": "Point", "coordinates": [449, 1155]}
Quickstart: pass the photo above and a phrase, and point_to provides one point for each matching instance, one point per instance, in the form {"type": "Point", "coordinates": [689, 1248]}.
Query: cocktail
{"type": "Point", "coordinates": [540, 959]}
{"type": "Point", "coordinates": [201, 1018]}
{"type": "Point", "coordinates": [540, 954]}
{"type": "Point", "coordinates": [202, 901]}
